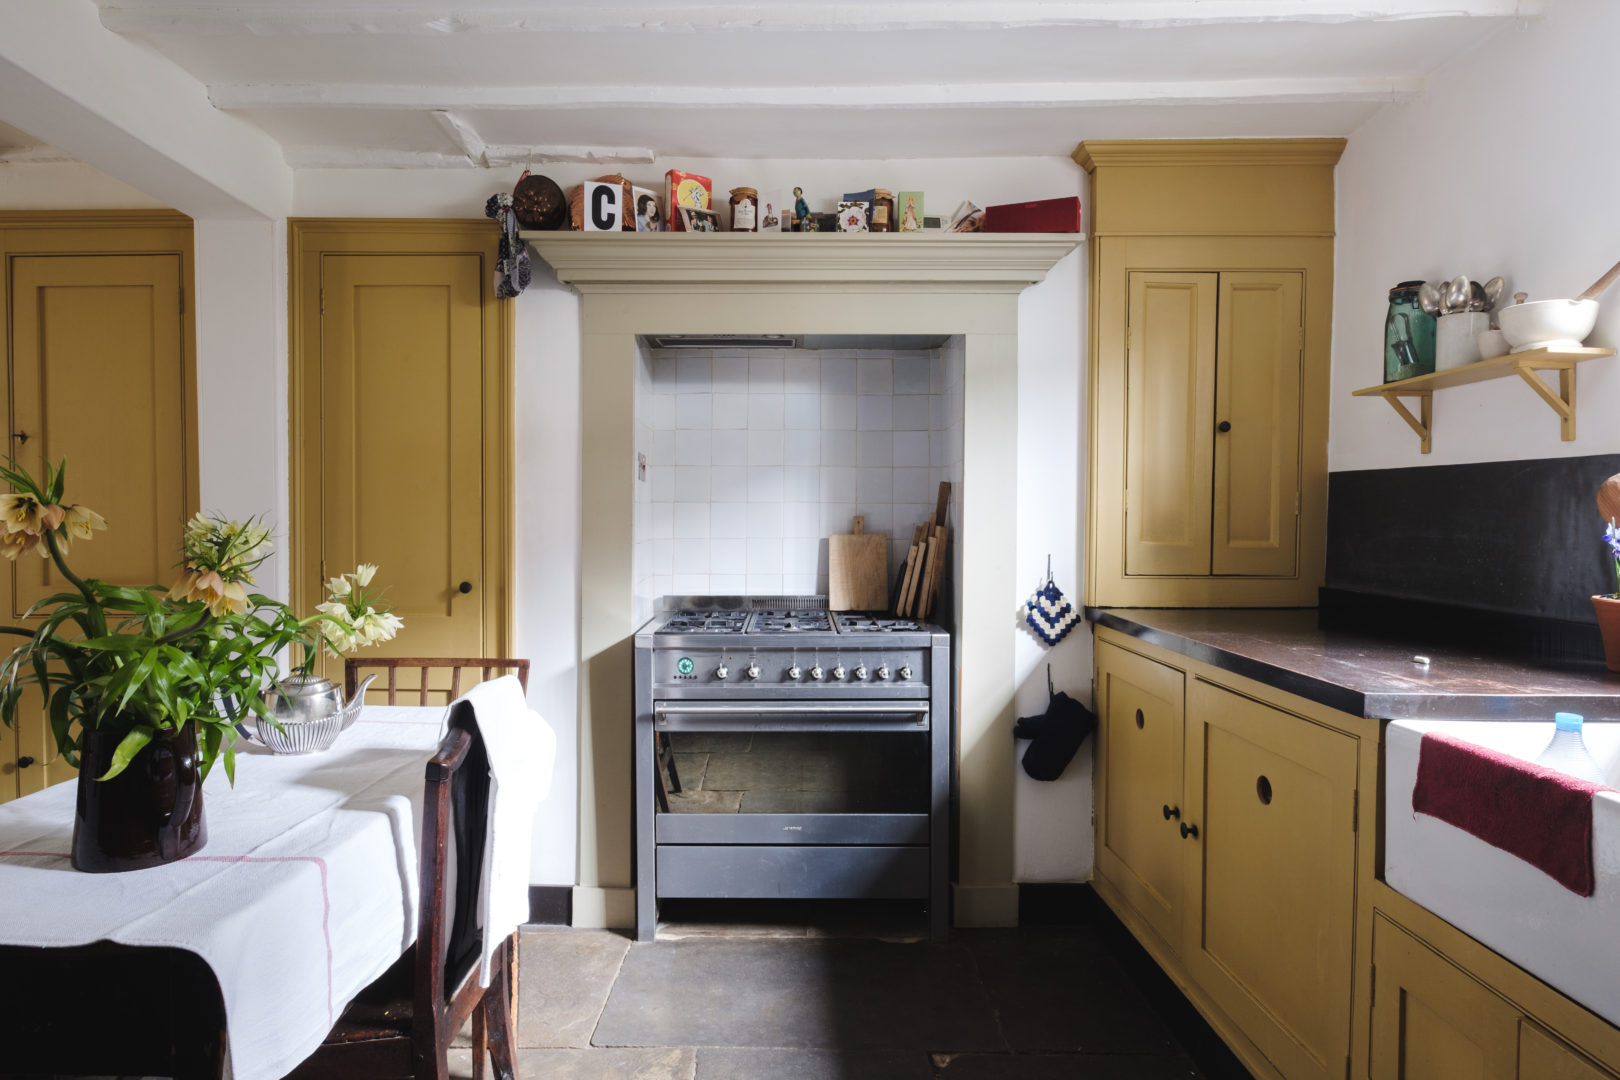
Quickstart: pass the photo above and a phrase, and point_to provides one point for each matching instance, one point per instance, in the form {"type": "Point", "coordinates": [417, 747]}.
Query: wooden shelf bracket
{"type": "Point", "coordinates": [1423, 427]}
{"type": "Point", "coordinates": [1563, 402]}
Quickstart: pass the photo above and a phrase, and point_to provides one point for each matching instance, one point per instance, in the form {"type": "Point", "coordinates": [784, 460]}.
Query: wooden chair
{"type": "Point", "coordinates": [401, 1026]}
{"type": "Point", "coordinates": [353, 666]}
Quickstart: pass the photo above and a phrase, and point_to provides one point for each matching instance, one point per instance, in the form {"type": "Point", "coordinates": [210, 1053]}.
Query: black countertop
{"type": "Point", "coordinates": [1366, 675]}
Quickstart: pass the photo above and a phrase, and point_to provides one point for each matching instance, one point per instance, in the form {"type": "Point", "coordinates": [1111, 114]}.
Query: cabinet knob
{"type": "Point", "coordinates": [1171, 811]}
{"type": "Point", "coordinates": [1139, 719]}
{"type": "Point", "coordinates": [1262, 788]}
{"type": "Point", "coordinates": [1188, 830]}
{"type": "Point", "coordinates": [464, 588]}
{"type": "Point", "coordinates": [1224, 426]}
{"type": "Point", "coordinates": [24, 761]}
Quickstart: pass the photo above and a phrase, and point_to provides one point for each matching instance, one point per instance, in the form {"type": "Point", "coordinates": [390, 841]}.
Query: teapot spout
{"type": "Point", "coordinates": [351, 709]}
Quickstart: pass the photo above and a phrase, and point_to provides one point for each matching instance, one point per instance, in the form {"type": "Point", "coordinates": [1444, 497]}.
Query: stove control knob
{"type": "Point", "coordinates": [883, 672]}
{"type": "Point", "coordinates": [860, 672]}
{"type": "Point", "coordinates": [816, 673]}
{"type": "Point", "coordinates": [721, 672]}
{"type": "Point", "coordinates": [753, 671]}
{"type": "Point", "coordinates": [838, 672]}
{"type": "Point", "coordinates": [905, 671]}
{"type": "Point", "coordinates": [794, 672]}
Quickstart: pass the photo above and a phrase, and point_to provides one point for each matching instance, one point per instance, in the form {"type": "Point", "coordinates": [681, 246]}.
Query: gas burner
{"type": "Point", "coordinates": [785, 621]}
{"type": "Point", "coordinates": [853, 623]}
{"type": "Point", "coordinates": [705, 622]}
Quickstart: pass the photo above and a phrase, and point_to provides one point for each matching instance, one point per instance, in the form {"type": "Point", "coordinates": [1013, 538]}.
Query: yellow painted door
{"type": "Point", "coordinates": [1169, 424]}
{"type": "Point", "coordinates": [98, 376]}
{"type": "Point", "coordinates": [401, 441]}
{"type": "Point", "coordinates": [1257, 424]}
{"type": "Point", "coordinates": [1139, 782]}
{"type": "Point", "coordinates": [1545, 1057]}
{"type": "Point", "coordinates": [1271, 876]}
{"type": "Point", "coordinates": [1433, 1021]}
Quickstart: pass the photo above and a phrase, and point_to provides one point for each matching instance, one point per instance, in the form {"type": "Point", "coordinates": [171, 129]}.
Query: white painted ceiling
{"type": "Point", "coordinates": [489, 82]}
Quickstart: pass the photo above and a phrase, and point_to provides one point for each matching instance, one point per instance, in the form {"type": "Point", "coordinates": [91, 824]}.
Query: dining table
{"type": "Point", "coordinates": [239, 957]}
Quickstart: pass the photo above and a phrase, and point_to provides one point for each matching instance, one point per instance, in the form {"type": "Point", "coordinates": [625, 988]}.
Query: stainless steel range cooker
{"type": "Point", "coordinates": [786, 751]}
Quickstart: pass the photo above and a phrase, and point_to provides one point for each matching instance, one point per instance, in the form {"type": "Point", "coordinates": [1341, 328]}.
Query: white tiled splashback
{"type": "Point", "coordinates": [754, 457]}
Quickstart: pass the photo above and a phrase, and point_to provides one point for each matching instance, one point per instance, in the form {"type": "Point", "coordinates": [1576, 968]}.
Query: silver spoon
{"type": "Point", "coordinates": [1429, 299]}
{"type": "Point", "coordinates": [1477, 301]}
{"type": "Point", "coordinates": [1457, 295]}
{"type": "Point", "coordinates": [1493, 292]}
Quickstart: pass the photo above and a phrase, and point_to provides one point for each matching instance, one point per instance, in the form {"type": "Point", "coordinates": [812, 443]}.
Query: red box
{"type": "Point", "coordinates": [1043, 215]}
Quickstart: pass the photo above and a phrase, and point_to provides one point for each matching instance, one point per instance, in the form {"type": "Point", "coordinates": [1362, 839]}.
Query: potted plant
{"type": "Point", "coordinates": [143, 685]}
{"type": "Point", "coordinates": [1608, 607]}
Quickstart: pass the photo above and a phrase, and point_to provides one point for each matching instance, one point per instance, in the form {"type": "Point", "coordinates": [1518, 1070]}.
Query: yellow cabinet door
{"type": "Point", "coordinates": [1140, 704]}
{"type": "Point", "coordinates": [1169, 424]}
{"type": "Point", "coordinates": [1544, 1057]}
{"type": "Point", "coordinates": [400, 441]}
{"type": "Point", "coordinates": [1433, 1021]}
{"type": "Point", "coordinates": [1257, 424]}
{"type": "Point", "coordinates": [99, 377]}
{"type": "Point", "coordinates": [1271, 876]}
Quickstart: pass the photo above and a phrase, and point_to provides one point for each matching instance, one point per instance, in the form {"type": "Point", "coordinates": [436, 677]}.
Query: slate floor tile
{"type": "Point", "coordinates": [640, 1063]}
{"type": "Point", "coordinates": [726, 1063]}
{"type": "Point", "coordinates": [1068, 1067]}
{"type": "Point", "coordinates": [564, 977]}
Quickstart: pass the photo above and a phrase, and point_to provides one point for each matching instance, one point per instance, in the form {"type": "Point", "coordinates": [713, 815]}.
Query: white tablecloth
{"type": "Point", "coordinates": [305, 893]}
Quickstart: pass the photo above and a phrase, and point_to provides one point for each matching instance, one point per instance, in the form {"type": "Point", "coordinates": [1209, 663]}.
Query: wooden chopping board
{"type": "Point", "coordinates": [858, 570]}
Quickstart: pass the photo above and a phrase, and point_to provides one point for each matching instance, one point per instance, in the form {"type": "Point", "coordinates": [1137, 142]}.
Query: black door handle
{"type": "Point", "coordinates": [464, 588]}
{"type": "Point", "coordinates": [1188, 830]}
{"type": "Point", "coordinates": [1171, 811]}
{"type": "Point", "coordinates": [1224, 426]}
{"type": "Point", "coordinates": [24, 761]}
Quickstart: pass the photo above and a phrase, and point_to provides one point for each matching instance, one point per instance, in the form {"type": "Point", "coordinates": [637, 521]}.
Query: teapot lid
{"type": "Point", "coordinates": [300, 684]}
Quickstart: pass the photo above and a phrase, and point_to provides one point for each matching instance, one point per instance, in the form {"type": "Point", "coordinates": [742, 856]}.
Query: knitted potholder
{"type": "Point", "coordinates": [1050, 614]}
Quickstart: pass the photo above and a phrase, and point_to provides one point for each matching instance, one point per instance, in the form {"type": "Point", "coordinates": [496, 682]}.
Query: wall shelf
{"type": "Point", "coordinates": [1525, 365]}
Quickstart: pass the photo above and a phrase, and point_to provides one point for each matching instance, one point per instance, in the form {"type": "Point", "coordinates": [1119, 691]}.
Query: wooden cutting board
{"type": "Point", "coordinates": [858, 570]}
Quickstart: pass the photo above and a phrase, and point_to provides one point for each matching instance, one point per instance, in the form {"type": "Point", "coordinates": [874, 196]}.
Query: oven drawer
{"type": "Point", "coordinates": [792, 828]}
{"type": "Point", "coordinates": [763, 715]}
{"type": "Point", "coordinates": [832, 873]}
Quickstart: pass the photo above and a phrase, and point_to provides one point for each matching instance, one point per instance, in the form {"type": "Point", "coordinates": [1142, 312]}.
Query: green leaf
{"type": "Point", "coordinates": [128, 747]}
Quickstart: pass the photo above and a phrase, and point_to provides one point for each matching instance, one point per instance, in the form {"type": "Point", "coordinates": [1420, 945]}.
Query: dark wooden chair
{"type": "Point", "coordinates": [402, 1025]}
{"type": "Point", "coordinates": [489, 666]}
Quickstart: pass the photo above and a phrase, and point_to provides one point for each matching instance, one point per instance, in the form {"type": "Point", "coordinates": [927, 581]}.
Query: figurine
{"type": "Point", "coordinates": [801, 212]}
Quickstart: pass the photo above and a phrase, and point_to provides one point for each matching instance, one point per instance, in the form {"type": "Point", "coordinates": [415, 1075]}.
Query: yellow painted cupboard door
{"type": "Point", "coordinates": [1431, 1020]}
{"type": "Point", "coordinates": [1543, 1057]}
{"type": "Point", "coordinates": [401, 441]}
{"type": "Point", "coordinates": [1257, 429]}
{"type": "Point", "coordinates": [1271, 875]}
{"type": "Point", "coordinates": [98, 377]}
{"type": "Point", "coordinates": [1141, 754]}
{"type": "Point", "coordinates": [1169, 425]}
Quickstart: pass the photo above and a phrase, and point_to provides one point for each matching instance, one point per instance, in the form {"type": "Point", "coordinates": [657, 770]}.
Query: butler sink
{"type": "Point", "coordinates": [1565, 939]}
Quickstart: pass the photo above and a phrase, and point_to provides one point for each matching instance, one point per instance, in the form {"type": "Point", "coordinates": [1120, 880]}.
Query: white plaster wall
{"type": "Point", "coordinates": [1530, 173]}
{"type": "Point", "coordinates": [66, 185]}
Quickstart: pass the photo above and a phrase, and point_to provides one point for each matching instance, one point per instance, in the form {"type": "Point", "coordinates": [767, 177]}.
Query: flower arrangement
{"type": "Point", "coordinates": [146, 661]}
{"type": "Point", "coordinates": [1611, 538]}
{"type": "Point", "coordinates": [353, 621]}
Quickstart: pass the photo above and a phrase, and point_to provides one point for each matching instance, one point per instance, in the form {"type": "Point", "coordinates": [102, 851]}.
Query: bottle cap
{"type": "Point", "coordinates": [1568, 721]}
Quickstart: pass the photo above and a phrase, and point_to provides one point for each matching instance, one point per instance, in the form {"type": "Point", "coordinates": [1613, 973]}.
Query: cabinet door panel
{"type": "Point", "coordinates": [1431, 1020]}
{"type": "Point", "coordinates": [1170, 394]}
{"type": "Point", "coordinates": [1270, 911]}
{"type": "Point", "coordinates": [1140, 753]}
{"type": "Point", "coordinates": [1543, 1057]}
{"type": "Point", "coordinates": [1257, 390]}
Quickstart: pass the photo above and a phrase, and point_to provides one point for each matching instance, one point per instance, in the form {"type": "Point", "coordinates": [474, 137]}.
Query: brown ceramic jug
{"type": "Point", "coordinates": [147, 815]}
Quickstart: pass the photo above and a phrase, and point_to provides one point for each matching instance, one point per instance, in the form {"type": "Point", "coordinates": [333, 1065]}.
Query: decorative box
{"type": "Point", "coordinates": [689, 190]}
{"type": "Point", "coordinates": [1044, 215]}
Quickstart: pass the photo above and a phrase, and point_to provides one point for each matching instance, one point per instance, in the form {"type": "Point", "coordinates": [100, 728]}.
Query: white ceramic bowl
{"type": "Point", "coordinates": [1493, 343]}
{"type": "Point", "coordinates": [1548, 324]}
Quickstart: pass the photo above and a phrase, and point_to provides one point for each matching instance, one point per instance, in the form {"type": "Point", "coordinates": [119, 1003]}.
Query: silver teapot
{"type": "Point", "coordinates": [310, 712]}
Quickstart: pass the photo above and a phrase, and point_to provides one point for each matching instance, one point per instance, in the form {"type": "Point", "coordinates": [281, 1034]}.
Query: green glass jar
{"type": "Point", "coordinates": [1408, 335]}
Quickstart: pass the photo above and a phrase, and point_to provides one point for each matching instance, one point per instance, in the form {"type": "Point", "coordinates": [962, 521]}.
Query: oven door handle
{"type": "Point", "coordinates": [792, 716]}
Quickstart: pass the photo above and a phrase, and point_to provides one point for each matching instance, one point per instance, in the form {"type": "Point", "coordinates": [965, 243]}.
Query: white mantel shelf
{"type": "Point", "coordinates": [991, 261]}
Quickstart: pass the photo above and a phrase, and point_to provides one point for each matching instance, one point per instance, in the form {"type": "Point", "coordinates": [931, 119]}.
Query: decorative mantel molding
{"type": "Point", "coordinates": [990, 262]}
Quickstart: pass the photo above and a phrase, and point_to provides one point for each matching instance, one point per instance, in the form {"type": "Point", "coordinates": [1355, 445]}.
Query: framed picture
{"type": "Point", "coordinates": [852, 216]}
{"type": "Point", "coordinates": [645, 205]}
{"type": "Point", "coordinates": [909, 207]}
{"type": "Point", "coordinates": [774, 213]}
{"type": "Point", "coordinates": [700, 220]}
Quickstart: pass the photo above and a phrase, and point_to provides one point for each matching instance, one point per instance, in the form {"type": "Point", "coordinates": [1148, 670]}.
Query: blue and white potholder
{"type": "Point", "coordinates": [1049, 612]}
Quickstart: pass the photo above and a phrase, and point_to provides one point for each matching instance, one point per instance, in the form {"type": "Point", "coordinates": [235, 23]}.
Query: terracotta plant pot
{"type": "Point", "coordinates": [1608, 616]}
{"type": "Point", "coordinates": [147, 815]}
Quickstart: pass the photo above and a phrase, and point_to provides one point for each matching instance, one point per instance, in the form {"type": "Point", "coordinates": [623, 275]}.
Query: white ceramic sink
{"type": "Point", "coordinates": [1567, 941]}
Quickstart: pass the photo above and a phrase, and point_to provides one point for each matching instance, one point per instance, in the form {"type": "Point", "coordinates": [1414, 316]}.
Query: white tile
{"type": "Point", "coordinates": [765, 556]}
{"type": "Point", "coordinates": [837, 517]}
{"type": "Point", "coordinates": [939, 449]}
{"type": "Point", "coordinates": [911, 449]}
{"type": "Point", "coordinates": [663, 448]}
{"type": "Point", "coordinates": [801, 483]}
{"type": "Point", "coordinates": [908, 516]}
{"type": "Point", "coordinates": [729, 484]}
{"type": "Point", "coordinates": [663, 521]}
{"type": "Point", "coordinates": [840, 448]}
{"type": "Point", "coordinates": [879, 517]}
{"type": "Point", "coordinates": [764, 520]}
{"type": "Point", "coordinates": [663, 374]}
{"type": "Point", "coordinates": [838, 484]}
{"type": "Point", "coordinates": [801, 519]}
{"type": "Point", "coordinates": [728, 556]}
{"type": "Point", "coordinates": [662, 480]}
{"type": "Point", "coordinates": [728, 584]}
{"type": "Point", "coordinates": [765, 484]}
{"type": "Point", "coordinates": [800, 556]}
{"type": "Point", "coordinates": [764, 584]}
{"type": "Point", "coordinates": [690, 585]}
{"type": "Point", "coordinates": [915, 485]}
{"type": "Point", "coordinates": [663, 412]}
{"type": "Point", "coordinates": [801, 372]}
{"type": "Point", "coordinates": [795, 584]}
{"type": "Point", "coordinates": [728, 448]}
{"type": "Point", "coordinates": [730, 410]}
{"type": "Point", "coordinates": [938, 417]}
{"type": "Point", "coordinates": [765, 375]}
{"type": "Point", "coordinates": [876, 486]}
{"type": "Point", "coordinates": [693, 410]}
{"type": "Point", "coordinates": [801, 447]}
{"type": "Point", "coordinates": [876, 448]}
{"type": "Point", "coordinates": [730, 374]}
{"type": "Point", "coordinates": [838, 412]}
{"type": "Point", "coordinates": [839, 374]}
{"type": "Point", "coordinates": [663, 557]}
{"type": "Point", "coordinates": [692, 447]}
{"type": "Point", "coordinates": [691, 556]}
{"type": "Point", "coordinates": [911, 412]}
{"type": "Point", "coordinates": [691, 521]}
{"type": "Point", "coordinates": [693, 374]}
{"type": "Point", "coordinates": [765, 412]}
{"type": "Point", "coordinates": [802, 411]}
{"type": "Point", "coordinates": [764, 448]}
{"type": "Point", "coordinates": [692, 483]}
{"type": "Point", "coordinates": [728, 519]}
{"type": "Point", "coordinates": [875, 376]}
{"type": "Point", "coordinates": [912, 374]}
{"type": "Point", "coordinates": [876, 412]}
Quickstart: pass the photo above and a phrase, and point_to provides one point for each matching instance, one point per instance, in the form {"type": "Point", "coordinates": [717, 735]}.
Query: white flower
{"type": "Point", "coordinates": [362, 575]}
{"type": "Point", "coordinates": [338, 587]}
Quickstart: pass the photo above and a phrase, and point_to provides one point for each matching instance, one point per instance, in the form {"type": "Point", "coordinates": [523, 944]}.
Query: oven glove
{"type": "Point", "coordinates": [1055, 736]}
{"type": "Point", "coordinates": [512, 256]}
{"type": "Point", "coordinates": [1049, 613]}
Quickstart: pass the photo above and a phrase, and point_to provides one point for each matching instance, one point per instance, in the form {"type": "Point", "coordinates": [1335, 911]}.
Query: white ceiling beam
{"type": "Point", "coordinates": [443, 99]}
{"type": "Point", "coordinates": [33, 155]}
{"type": "Point", "coordinates": [270, 17]}
{"type": "Point", "coordinates": [463, 135]}
{"type": "Point", "coordinates": [358, 157]}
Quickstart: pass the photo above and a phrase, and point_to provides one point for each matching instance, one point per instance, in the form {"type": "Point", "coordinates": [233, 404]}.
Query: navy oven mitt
{"type": "Point", "coordinates": [1055, 736]}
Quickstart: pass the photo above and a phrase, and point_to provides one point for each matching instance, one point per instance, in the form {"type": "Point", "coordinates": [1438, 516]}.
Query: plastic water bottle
{"type": "Point", "coordinates": [1568, 753]}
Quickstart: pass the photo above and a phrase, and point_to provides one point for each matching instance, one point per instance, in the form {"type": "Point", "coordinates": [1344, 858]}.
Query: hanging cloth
{"type": "Point", "coordinates": [512, 260]}
{"type": "Point", "coordinates": [1049, 613]}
